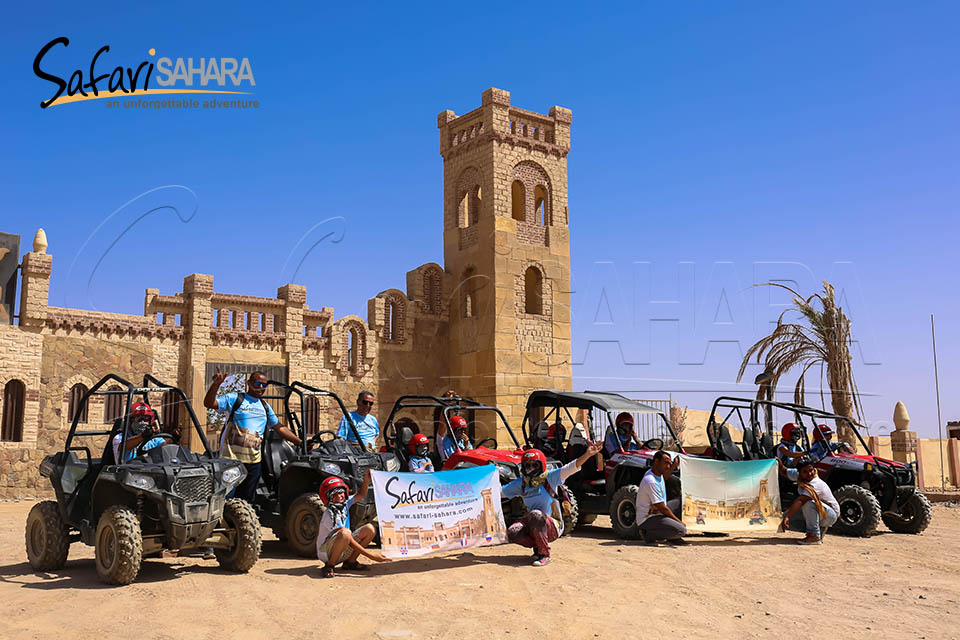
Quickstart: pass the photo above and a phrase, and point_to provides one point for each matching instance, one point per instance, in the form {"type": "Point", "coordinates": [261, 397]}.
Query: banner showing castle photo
{"type": "Point", "coordinates": [730, 496]}
{"type": "Point", "coordinates": [421, 513]}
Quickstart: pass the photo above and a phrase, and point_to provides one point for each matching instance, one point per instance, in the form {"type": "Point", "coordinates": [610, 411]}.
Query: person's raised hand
{"type": "Point", "coordinates": [219, 377]}
{"type": "Point", "coordinates": [594, 448]}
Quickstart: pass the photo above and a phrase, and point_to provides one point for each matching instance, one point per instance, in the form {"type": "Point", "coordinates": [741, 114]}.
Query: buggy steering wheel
{"type": "Point", "coordinates": [493, 440]}
{"type": "Point", "coordinates": [653, 443]}
{"type": "Point", "coordinates": [315, 439]}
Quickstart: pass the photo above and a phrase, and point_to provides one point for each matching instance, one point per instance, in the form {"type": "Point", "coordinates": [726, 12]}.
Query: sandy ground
{"type": "Point", "coordinates": [597, 586]}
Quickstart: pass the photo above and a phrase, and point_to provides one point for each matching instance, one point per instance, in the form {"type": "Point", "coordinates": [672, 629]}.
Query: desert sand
{"type": "Point", "coordinates": [597, 587]}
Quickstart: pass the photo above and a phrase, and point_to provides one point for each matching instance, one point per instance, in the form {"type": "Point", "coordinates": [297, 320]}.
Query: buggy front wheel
{"type": "Point", "coordinates": [913, 517]}
{"type": "Point", "coordinates": [303, 524]}
{"type": "Point", "coordinates": [859, 511]}
{"type": "Point", "coordinates": [623, 512]}
{"type": "Point", "coordinates": [118, 548]}
{"type": "Point", "coordinates": [240, 516]}
{"type": "Point", "coordinates": [46, 537]}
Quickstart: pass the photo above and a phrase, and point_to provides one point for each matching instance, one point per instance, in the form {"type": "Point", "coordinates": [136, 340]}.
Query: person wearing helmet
{"type": "Point", "coordinates": [420, 461]}
{"type": "Point", "coordinates": [459, 427]}
{"type": "Point", "coordinates": [822, 442]}
{"type": "Point", "coordinates": [142, 432]}
{"type": "Point", "coordinates": [623, 435]}
{"type": "Point", "coordinates": [336, 543]}
{"type": "Point", "coordinates": [815, 509]}
{"type": "Point", "coordinates": [543, 522]}
{"type": "Point", "coordinates": [789, 450]}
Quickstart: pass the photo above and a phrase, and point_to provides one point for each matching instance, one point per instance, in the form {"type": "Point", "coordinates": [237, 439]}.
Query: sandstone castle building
{"type": "Point", "coordinates": [493, 322]}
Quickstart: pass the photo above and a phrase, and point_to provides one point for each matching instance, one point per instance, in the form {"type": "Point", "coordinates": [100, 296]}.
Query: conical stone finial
{"type": "Point", "coordinates": [40, 241]}
{"type": "Point", "coordinates": [901, 419]}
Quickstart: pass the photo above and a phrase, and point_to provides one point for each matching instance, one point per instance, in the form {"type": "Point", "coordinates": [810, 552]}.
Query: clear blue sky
{"type": "Point", "coordinates": [726, 136]}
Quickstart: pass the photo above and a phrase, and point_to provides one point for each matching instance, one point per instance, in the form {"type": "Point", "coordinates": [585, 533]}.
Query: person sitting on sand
{"type": "Point", "coordinates": [544, 520]}
{"type": "Point", "coordinates": [656, 516]}
{"type": "Point", "coordinates": [815, 509]}
{"type": "Point", "coordinates": [420, 461]}
{"type": "Point", "coordinates": [336, 543]}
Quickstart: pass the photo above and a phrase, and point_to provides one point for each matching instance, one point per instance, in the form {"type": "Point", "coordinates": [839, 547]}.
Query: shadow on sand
{"type": "Point", "coordinates": [81, 574]}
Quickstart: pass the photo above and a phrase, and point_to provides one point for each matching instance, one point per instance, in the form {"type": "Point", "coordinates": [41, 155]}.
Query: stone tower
{"type": "Point", "coordinates": [506, 253]}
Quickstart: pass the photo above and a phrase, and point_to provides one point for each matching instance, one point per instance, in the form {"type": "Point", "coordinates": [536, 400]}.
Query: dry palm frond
{"type": "Point", "coordinates": [823, 340]}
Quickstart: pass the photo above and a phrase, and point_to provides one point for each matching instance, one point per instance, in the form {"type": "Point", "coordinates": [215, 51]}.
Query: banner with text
{"type": "Point", "coordinates": [730, 496]}
{"type": "Point", "coordinates": [421, 513]}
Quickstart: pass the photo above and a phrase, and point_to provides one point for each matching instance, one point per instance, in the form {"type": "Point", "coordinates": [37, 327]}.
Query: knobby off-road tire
{"type": "Point", "coordinates": [303, 524]}
{"type": "Point", "coordinates": [859, 511]}
{"type": "Point", "coordinates": [570, 521]}
{"type": "Point", "coordinates": [118, 546]}
{"type": "Point", "coordinates": [47, 537]}
{"type": "Point", "coordinates": [913, 518]}
{"type": "Point", "coordinates": [240, 516]}
{"type": "Point", "coordinates": [623, 512]}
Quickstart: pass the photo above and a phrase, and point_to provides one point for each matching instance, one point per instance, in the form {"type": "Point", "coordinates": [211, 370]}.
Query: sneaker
{"type": "Point", "coordinates": [208, 553]}
{"type": "Point", "coordinates": [678, 542]}
{"type": "Point", "coordinates": [542, 561]}
{"type": "Point", "coordinates": [810, 539]}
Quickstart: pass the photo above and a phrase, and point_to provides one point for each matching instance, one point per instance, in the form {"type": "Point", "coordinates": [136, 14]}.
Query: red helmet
{"type": "Point", "coordinates": [417, 440]}
{"type": "Point", "coordinates": [458, 422]}
{"type": "Point", "coordinates": [556, 430]}
{"type": "Point", "coordinates": [787, 430]}
{"type": "Point", "coordinates": [822, 432]}
{"type": "Point", "coordinates": [331, 483]}
{"type": "Point", "coordinates": [624, 417]}
{"type": "Point", "coordinates": [534, 455]}
{"type": "Point", "coordinates": [142, 409]}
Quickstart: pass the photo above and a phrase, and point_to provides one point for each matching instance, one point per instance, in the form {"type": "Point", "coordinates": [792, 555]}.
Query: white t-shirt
{"type": "Point", "coordinates": [652, 491]}
{"type": "Point", "coordinates": [329, 523]}
{"type": "Point", "coordinates": [821, 487]}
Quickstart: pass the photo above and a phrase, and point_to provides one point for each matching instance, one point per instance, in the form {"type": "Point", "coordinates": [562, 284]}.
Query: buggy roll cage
{"type": "Point", "coordinates": [736, 404]}
{"type": "Point", "coordinates": [303, 391]}
{"type": "Point", "coordinates": [448, 406]}
{"type": "Point", "coordinates": [557, 400]}
{"type": "Point", "coordinates": [150, 385]}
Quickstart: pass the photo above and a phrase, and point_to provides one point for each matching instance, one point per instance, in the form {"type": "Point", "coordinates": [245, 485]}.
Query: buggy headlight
{"type": "Point", "coordinates": [506, 472]}
{"type": "Point", "coordinates": [232, 475]}
{"type": "Point", "coordinates": [140, 481]}
{"type": "Point", "coordinates": [332, 467]}
{"type": "Point", "coordinates": [392, 464]}
{"type": "Point", "coordinates": [46, 467]}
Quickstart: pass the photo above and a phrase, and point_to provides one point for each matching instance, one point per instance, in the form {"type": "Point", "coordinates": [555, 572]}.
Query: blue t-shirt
{"type": "Point", "coordinates": [367, 427]}
{"type": "Point", "coordinates": [538, 498]}
{"type": "Point", "coordinates": [786, 446]}
{"type": "Point", "coordinates": [820, 448]}
{"type": "Point", "coordinates": [611, 444]}
{"type": "Point", "coordinates": [448, 447]}
{"type": "Point", "coordinates": [129, 454]}
{"type": "Point", "coordinates": [249, 415]}
{"type": "Point", "coordinates": [417, 463]}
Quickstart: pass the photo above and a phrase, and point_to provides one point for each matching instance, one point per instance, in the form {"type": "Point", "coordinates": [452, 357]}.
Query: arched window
{"type": "Point", "coordinates": [540, 205]}
{"type": "Point", "coordinates": [352, 350]}
{"type": "Point", "coordinates": [77, 408]}
{"type": "Point", "coordinates": [12, 428]}
{"type": "Point", "coordinates": [473, 212]}
{"type": "Point", "coordinates": [170, 409]}
{"type": "Point", "coordinates": [533, 291]}
{"type": "Point", "coordinates": [469, 286]}
{"type": "Point", "coordinates": [311, 416]}
{"type": "Point", "coordinates": [518, 197]}
{"type": "Point", "coordinates": [113, 405]}
{"type": "Point", "coordinates": [390, 314]}
{"type": "Point", "coordinates": [431, 290]}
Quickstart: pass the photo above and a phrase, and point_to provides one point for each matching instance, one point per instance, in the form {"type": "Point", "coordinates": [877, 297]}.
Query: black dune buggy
{"type": "Point", "coordinates": [165, 498]}
{"type": "Point", "coordinates": [868, 488]}
{"type": "Point", "coordinates": [609, 485]}
{"type": "Point", "coordinates": [287, 499]}
{"type": "Point", "coordinates": [400, 428]}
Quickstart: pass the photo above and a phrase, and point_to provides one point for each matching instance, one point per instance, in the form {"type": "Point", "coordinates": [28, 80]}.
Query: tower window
{"type": "Point", "coordinates": [13, 398]}
{"type": "Point", "coordinates": [113, 405]}
{"type": "Point", "coordinates": [352, 350]}
{"type": "Point", "coordinates": [533, 291]}
{"type": "Point", "coordinates": [519, 195]}
{"type": "Point", "coordinates": [540, 206]}
{"type": "Point", "coordinates": [473, 211]}
{"type": "Point", "coordinates": [469, 285]}
{"type": "Point", "coordinates": [76, 408]}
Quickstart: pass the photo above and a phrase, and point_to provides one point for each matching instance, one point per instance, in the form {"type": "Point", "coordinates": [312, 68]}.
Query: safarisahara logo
{"type": "Point", "coordinates": [417, 494]}
{"type": "Point", "coordinates": [171, 75]}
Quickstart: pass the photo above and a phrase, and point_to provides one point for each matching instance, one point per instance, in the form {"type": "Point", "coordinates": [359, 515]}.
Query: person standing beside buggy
{"type": "Point", "coordinates": [539, 488]}
{"type": "Point", "coordinates": [249, 416]}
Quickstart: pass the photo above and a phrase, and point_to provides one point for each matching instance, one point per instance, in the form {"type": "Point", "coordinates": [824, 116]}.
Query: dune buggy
{"type": "Point", "coordinates": [287, 499]}
{"type": "Point", "coordinates": [398, 433]}
{"type": "Point", "coordinates": [609, 485]}
{"type": "Point", "coordinates": [868, 488]}
{"type": "Point", "coordinates": [166, 498]}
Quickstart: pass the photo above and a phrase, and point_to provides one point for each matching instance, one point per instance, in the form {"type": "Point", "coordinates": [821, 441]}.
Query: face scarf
{"type": "Point", "coordinates": [534, 481]}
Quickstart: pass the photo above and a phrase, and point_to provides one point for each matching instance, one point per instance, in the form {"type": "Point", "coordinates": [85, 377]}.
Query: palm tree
{"type": "Point", "coordinates": [823, 340]}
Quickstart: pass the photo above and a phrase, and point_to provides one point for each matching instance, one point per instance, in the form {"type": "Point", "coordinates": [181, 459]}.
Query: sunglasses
{"type": "Point", "coordinates": [368, 403]}
{"type": "Point", "coordinates": [259, 385]}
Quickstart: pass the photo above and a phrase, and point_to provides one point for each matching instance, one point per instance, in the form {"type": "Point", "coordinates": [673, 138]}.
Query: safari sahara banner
{"type": "Point", "coordinates": [730, 496]}
{"type": "Point", "coordinates": [421, 513]}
